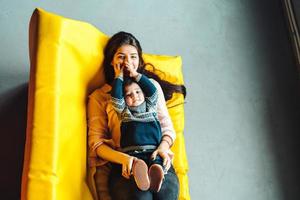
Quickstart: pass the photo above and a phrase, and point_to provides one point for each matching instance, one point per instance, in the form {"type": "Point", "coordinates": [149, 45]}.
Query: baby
{"type": "Point", "coordinates": [135, 101]}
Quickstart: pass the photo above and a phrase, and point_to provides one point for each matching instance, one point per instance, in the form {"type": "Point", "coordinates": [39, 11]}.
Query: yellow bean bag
{"type": "Point", "coordinates": [66, 57]}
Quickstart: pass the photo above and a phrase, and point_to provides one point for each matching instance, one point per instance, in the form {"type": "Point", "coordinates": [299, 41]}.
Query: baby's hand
{"type": "Point", "coordinates": [131, 70]}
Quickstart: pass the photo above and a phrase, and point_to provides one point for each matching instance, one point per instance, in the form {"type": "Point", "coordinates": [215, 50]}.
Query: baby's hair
{"type": "Point", "coordinates": [127, 82]}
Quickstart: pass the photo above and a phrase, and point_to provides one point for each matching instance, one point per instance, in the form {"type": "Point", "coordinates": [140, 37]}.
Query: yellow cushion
{"type": "Point", "coordinates": [66, 57]}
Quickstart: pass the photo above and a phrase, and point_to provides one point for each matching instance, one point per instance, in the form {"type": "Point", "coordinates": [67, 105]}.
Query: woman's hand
{"type": "Point", "coordinates": [106, 152]}
{"type": "Point", "coordinates": [163, 151]}
{"type": "Point", "coordinates": [164, 155]}
{"type": "Point", "coordinates": [127, 167]}
{"type": "Point", "coordinates": [118, 68]}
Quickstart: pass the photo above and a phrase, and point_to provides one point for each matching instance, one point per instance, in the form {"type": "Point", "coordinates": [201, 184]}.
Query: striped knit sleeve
{"type": "Point", "coordinates": [117, 96]}
{"type": "Point", "coordinates": [149, 89]}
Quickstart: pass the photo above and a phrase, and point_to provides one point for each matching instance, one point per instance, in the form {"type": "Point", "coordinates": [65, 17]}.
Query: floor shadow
{"type": "Point", "coordinates": [13, 114]}
{"type": "Point", "coordinates": [283, 94]}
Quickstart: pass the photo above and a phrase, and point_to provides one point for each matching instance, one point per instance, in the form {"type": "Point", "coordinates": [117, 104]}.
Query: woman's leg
{"type": "Point", "coordinates": [101, 180]}
{"type": "Point", "coordinates": [170, 187]}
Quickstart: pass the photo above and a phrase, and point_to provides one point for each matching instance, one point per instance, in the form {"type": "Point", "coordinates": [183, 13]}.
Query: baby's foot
{"type": "Point", "coordinates": [156, 176]}
{"type": "Point", "coordinates": [140, 174]}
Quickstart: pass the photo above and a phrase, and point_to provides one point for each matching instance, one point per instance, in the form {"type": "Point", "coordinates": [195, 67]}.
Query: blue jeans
{"type": "Point", "coordinates": [126, 189]}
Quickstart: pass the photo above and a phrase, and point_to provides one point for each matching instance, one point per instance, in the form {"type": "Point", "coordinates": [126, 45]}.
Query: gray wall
{"type": "Point", "coordinates": [242, 108]}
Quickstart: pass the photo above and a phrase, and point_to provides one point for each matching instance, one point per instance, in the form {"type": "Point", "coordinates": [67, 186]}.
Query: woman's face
{"type": "Point", "coordinates": [126, 55]}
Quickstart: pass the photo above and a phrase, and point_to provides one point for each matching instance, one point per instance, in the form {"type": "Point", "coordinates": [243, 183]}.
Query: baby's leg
{"type": "Point", "coordinates": [140, 174]}
{"type": "Point", "coordinates": [156, 174]}
{"type": "Point", "coordinates": [158, 160]}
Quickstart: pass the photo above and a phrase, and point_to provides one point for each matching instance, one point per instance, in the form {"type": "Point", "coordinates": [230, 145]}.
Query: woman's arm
{"type": "Point", "coordinates": [166, 124]}
{"type": "Point", "coordinates": [100, 144]}
{"type": "Point", "coordinates": [106, 152]}
{"type": "Point", "coordinates": [168, 132]}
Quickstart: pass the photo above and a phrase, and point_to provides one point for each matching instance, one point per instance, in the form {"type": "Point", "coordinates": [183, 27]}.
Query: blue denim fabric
{"type": "Point", "coordinates": [126, 189]}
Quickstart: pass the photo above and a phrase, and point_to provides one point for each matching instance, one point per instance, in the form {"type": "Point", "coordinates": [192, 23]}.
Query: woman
{"type": "Point", "coordinates": [104, 125]}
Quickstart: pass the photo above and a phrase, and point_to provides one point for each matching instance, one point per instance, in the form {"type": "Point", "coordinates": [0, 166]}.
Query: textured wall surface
{"type": "Point", "coordinates": [242, 107]}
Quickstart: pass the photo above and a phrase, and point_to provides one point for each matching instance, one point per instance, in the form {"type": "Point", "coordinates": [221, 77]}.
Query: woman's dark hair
{"type": "Point", "coordinates": [122, 38]}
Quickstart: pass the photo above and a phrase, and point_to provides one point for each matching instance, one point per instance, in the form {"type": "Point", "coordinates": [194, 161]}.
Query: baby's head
{"type": "Point", "coordinates": [133, 93]}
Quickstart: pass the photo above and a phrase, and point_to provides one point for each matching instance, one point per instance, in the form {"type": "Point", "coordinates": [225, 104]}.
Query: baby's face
{"type": "Point", "coordinates": [134, 95]}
